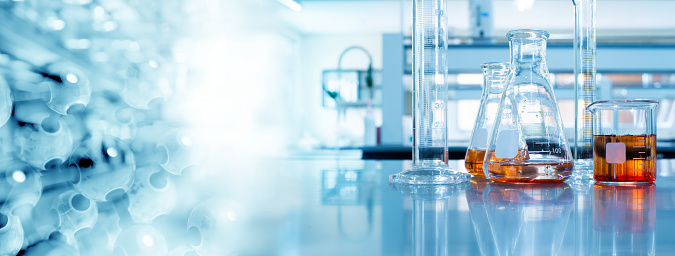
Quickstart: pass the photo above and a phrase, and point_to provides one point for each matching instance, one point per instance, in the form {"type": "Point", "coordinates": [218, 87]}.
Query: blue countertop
{"type": "Point", "coordinates": [341, 205]}
{"type": "Point", "coordinates": [348, 207]}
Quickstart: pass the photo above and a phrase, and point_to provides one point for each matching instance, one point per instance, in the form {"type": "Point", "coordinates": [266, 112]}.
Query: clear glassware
{"type": "Point", "coordinates": [624, 141]}
{"type": "Point", "coordinates": [584, 87]}
{"type": "Point", "coordinates": [494, 76]}
{"type": "Point", "coordinates": [430, 95]}
{"type": "Point", "coordinates": [528, 143]}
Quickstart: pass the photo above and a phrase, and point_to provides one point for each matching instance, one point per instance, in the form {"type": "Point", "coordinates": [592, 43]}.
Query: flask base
{"type": "Point", "coordinates": [421, 175]}
{"type": "Point", "coordinates": [582, 172]}
{"type": "Point", "coordinates": [430, 192]}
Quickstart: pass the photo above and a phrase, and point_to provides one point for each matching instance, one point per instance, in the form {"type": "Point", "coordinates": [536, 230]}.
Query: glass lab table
{"type": "Point", "coordinates": [337, 204]}
{"type": "Point", "coordinates": [348, 207]}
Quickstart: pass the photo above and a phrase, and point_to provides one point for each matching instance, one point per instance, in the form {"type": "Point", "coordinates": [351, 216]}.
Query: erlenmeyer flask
{"type": "Point", "coordinates": [494, 75]}
{"type": "Point", "coordinates": [528, 143]}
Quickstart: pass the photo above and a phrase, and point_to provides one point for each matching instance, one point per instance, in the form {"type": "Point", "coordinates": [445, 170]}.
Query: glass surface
{"type": "Point", "coordinates": [430, 97]}
{"type": "Point", "coordinates": [518, 212]}
{"type": "Point", "coordinates": [328, 206]}
{"type": "Point", "coordinates": [494, 75]}
{"type": "Point", "coordinates": [528, 143]}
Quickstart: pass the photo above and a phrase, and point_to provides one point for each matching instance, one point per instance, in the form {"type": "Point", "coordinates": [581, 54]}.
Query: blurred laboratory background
{"type": "Point", "coordinates": [225, 127]}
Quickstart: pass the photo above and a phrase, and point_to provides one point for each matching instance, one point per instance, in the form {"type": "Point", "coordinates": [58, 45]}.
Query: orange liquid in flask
{"type": "Point", "coordinates": [518, 170]}
{"type": "Point", "coordinates": [474, 162]}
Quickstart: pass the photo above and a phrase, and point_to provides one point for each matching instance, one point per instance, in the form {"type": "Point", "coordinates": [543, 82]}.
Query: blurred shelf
{"type": "Point", "coordinates": [665, 150]}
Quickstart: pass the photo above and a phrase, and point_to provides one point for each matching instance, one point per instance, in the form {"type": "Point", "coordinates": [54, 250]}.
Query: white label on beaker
{"type": "Point", "coordinates": [615, 153]}
{"type": "Point", "coordinates": [480, 138]}
{"type": "Point", "coordinates": [507, 144]}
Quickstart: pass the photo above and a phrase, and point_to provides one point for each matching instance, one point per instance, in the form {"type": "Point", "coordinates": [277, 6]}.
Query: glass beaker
{"type": "Point", "coordinates": [494, 75]}
{"type": "Point", "coordinates": [528, 144]}
{"type": "Point", "coordinates": [624, 141]}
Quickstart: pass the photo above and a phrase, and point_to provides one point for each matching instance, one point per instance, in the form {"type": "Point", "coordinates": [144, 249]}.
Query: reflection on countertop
{"type": "Point", "coordinates": [347, 207]}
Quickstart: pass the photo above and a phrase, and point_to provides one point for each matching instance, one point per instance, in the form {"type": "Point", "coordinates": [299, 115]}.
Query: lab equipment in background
{"type": "Point", "coordinates": [624, 141]}
{"type": "Point", "coordinates": [347, 89]}
{"type": "Point", "coordinates": [11, 234]}
{"type": "Point", "coordinates": [151, 194]}
{"type": "Point", "coordinates": [528, 143]}
{"type": "Point", "coordinates": [481, 20]}
{"type": "Point", "coordinates": [105, 164]}
{"type": "Point", "coordinates": [481, 224]}
{"type": "Point", "coordinates": [624, 219]}
{"type": "Point", "coordinates": [528, 219]}
{"type": "Point", "coordinates": [430, 86]}
{"type": "Point", "coordinates": [369, 70]}
{"type": "Point", "coordinates": [494, 76]}
{"type": "Point", "coordinates": [584, 88]}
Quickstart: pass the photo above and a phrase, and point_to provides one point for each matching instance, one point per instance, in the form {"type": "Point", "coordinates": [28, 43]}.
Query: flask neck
{"type": "Point", "coordinates": [494, 76]}
{"type": "Point", "coordinates": [528, 54]}
{"type": "Point", "coordinates": [494, 83]}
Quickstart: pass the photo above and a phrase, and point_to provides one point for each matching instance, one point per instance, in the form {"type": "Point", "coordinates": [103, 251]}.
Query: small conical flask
{"type": "Point", "coordinates": [494, 76]}
{"type": "Point", "coordinates": [528, 143]}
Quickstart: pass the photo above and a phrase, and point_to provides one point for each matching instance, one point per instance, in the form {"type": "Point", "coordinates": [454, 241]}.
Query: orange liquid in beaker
{"type": "Point", "coordinates": [519, 170]}
{"type": "Point", "coordinates": [474, 162]}
{"type": "Point", "coordinates": [639, 164]}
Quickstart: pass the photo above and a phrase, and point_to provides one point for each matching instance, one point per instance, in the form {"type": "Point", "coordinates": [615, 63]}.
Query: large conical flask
{"type": "Point", "coordinates": [528, 144]}
{"type": "Point", "coordinates": [494, 76]}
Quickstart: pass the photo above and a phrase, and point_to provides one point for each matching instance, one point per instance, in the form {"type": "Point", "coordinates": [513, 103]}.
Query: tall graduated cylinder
{"type": "Point", "coordinates": [494, 75]}
{"type": "Point", "coordinates": [528, 144]}
{"type": "Point", "coordinates": [624, 141]}
{"type": "Point", "coordinates": [430, 94]}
